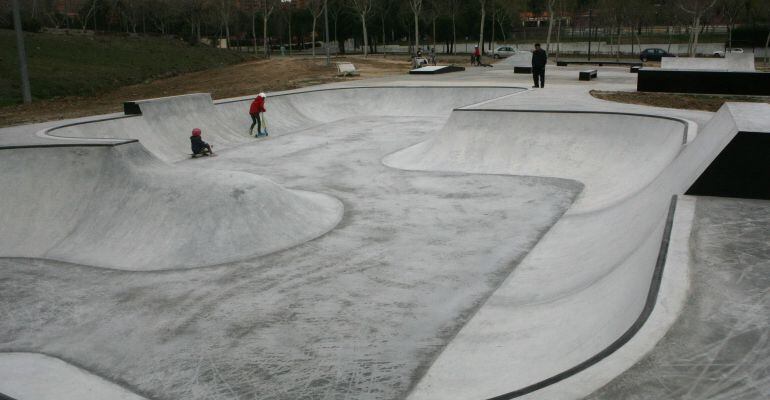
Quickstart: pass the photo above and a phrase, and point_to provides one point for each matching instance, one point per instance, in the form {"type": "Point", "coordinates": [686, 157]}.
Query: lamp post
{"type": "Point", "coordinates": [326, 24]}
{"type": "Point", "coordinates": [590, 32]}
{"type": "Point", "coordinates": [26, 93]}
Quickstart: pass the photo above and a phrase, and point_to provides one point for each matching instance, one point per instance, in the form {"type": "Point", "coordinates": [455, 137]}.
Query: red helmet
{"type": "Point", "coordinates": [196, 132]}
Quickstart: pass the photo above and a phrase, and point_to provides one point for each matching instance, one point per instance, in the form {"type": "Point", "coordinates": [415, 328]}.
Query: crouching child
{"type": "Point", "coordinates": [199, 147]}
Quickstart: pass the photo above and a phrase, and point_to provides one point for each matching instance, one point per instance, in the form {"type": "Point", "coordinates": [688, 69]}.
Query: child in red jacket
{"type": "Point", "coordinates": [256, 110]}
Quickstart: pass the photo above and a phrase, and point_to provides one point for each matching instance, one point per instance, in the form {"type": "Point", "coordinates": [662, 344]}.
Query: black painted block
{"type": "Point", "coordinates": [706, 82]}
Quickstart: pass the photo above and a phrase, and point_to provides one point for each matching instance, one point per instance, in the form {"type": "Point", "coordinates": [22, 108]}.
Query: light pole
{"type": "Point", "coordinates": [590, 32]}
{"type": "Point", "coordinates": [326, 24]}
{"type": "Point", "coordinates": [26, 93]}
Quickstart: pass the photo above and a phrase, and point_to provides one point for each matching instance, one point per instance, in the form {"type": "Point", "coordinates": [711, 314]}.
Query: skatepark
{"type": "Point", "coordinates": [425, 237]}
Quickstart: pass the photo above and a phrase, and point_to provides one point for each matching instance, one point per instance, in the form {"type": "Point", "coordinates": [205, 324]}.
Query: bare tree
{"type": "Point", "coordinates": [383, 8]}
{"type": "Point", "coordinates": [695, 8]}
{"type": "Point", "coordinates": [483, 4]}
{"type": "Point", "coordinates": [84, 19]}
{"type": "Point", "coordinates": [761, 9]}
{"type": "Point", "coordinates": [268, 6]}
{"type": "Point", "coordinates": [731, 11]}
{"type": "Point", "coordinates": [416, 6]}
{"type": "Point", "coordinates": [550, 4]}
{"type": "Point", "coordinates": [363, 8]}
{"type": "Point", "coordinates": [316, 8]}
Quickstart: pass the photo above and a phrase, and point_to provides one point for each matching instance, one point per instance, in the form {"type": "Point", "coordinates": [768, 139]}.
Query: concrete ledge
{"type": "Point", "coordinates": [439, 69]}
{"type": "Point", "coordinates": [564, 63]}
{"type": "Point", "coordinates": [706, 82]}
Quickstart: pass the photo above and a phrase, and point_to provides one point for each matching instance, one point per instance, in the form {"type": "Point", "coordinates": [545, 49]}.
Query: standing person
{"type": "Point", "coordinates": [199, 147]}
{"type": "Point", "coordinates": [432, 56]}
{"type": "Point", "coordinates": [476, 56]}
{"type": "Point", "coordinates": [256, 110]}
{"type": "Point", "coordinates": [539, 59]}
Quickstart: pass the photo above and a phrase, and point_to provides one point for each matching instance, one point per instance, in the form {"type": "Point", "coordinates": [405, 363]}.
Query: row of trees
{"type": "Point", "coordinates": [377, 22]}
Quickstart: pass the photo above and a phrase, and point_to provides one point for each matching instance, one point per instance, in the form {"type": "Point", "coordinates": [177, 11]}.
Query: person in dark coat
{"type": "Point", "coordinates": [199, 147]}
{"type": "Point", "coordinates": [539, 59]}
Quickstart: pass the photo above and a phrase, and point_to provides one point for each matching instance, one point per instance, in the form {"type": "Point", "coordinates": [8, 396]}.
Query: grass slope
{"type": "Point", "coordinates": [61, 65]}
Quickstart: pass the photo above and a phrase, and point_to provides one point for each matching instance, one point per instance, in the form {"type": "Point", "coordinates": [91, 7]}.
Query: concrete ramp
{"type": "Point", "coordinates": [437, 69]}
{"type": "Point", "coordinates": [584, 285]}
{"type": "Point", "coordinates": [120, 207]}
{"type": "Point", "coordinates": [522, 58]}
{"type": "Point", "coordinates": [734, 62]}
{"type": "Point", "coordinates": [165, 124]}
{"type": "Point", "coordinates": [602, 150]}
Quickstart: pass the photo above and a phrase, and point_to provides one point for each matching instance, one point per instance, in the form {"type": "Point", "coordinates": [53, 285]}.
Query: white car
{"type": "Point", "coordinates": [721, 53]}
{"type": "Point", "coordinates": [504, 52]}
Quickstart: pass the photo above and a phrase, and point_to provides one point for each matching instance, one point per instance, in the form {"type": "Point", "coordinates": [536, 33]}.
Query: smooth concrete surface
{"type": "Point", "coordinates": [21, 375]}
{"type": "Point", "coordinates": [442, 279]}
{"type": "Point", "coordinates": [120, 207]}
{"type": "Point", "coordinates": [165, 124]}
{"type": "Point", "coordinates": [736, 62]}
{"type": "Point", "coordinates": [359, 312]}
{"type": "Point", "coordinates": [522, 58]}
{"type": "Point", "coordinates": [601, 150]}
{"type": "Point", "coordinates": [669, 303]}
{"type": "Point", "coordinates": [538, 324]}
{"type": "Point", "coordinates": [719, 347]}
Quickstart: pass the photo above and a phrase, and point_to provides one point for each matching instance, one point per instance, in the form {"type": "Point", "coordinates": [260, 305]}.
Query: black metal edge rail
{"type": "Point", "coordinates": [652, 298]}
{"type": "Point", "coordinates": [56, 145]}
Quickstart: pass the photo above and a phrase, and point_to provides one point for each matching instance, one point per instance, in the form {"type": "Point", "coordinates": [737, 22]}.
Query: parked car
{"type": "Point", "coordinates": [654, 54]}
{"type": "Point", "coordinates": [504, 52]}
{"type": "Point", "coordinates": [721, 53]}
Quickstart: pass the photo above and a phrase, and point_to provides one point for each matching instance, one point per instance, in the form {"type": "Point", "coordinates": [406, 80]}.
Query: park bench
{"type": "Point", "coordinates": [587, 75]}
{"type": "Point", "coordinates": [346, 69]}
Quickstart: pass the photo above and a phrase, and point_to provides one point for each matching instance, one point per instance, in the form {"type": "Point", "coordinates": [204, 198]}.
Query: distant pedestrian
{"type": "Point", "coordinates": [432, 56]}
{"type": "Point", "coordinates": [476, 59]}
{"type": "Point", "coordinates": [539, 59]}
{"type": "Point", "coordinates": [256, 110]}
{"type": "Point", "coordinates": [199, 147]}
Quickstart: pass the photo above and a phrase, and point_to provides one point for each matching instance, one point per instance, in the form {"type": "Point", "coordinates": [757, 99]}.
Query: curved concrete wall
{"type": "Point", "coordinates": [120, 207]}
{"type": "Point", "coordinates": [614, 155]}
{"type": "Point", "coordinates": [587, 280]}
{"type": "Point", "coordinates": [165, 124]}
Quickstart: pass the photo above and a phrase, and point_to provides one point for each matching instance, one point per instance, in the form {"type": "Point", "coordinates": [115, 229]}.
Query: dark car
{"type": "Point", "coordinates": [654, 54]}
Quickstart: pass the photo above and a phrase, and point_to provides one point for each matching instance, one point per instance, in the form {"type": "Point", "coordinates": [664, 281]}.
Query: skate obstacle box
{"type": "Point", "coordinates": [734, 74]}
{"type": "Point", "coordinates": [635, 69]}
{"type": "Point", "coordinates": [588, 74]}
{"type": "Point", "coordinates": [522, 70]}
{"type": "Point", "coordinates": [346, 69]}
{"type": "Point", "coordinates": [438, 69]}
{"type": "Point", "coordinates": [704, 82]}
